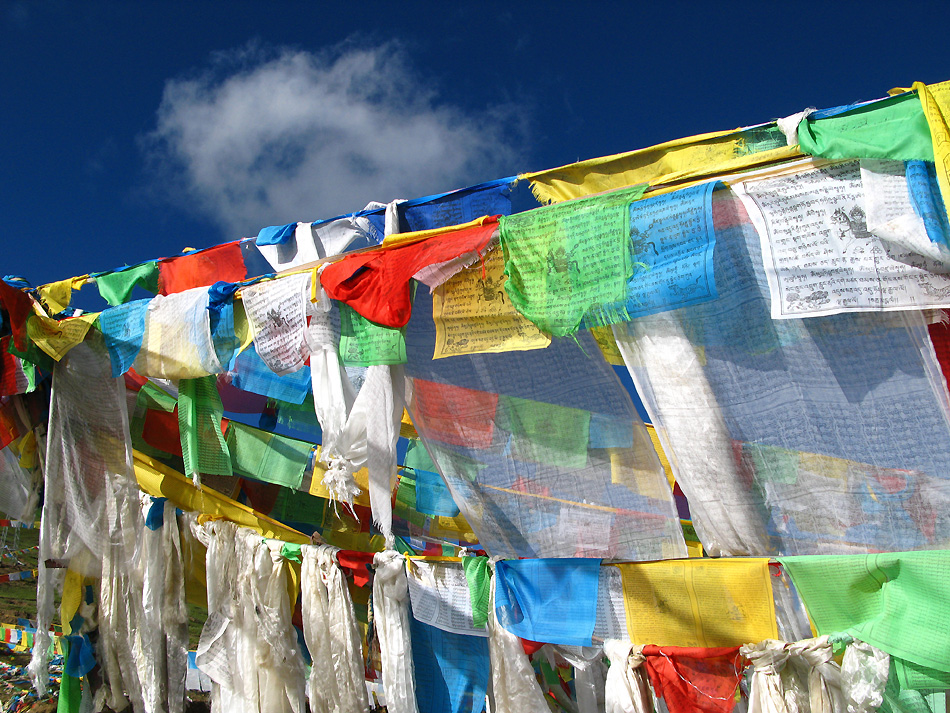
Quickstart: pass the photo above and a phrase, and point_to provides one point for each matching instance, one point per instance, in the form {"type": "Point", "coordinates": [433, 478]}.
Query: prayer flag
{"type": "Point", "coordinates": [202, 268]}
{"type": "Point", "coordinates": [116, 287]}
{"type": "Point", "coordinates": [376, 283]}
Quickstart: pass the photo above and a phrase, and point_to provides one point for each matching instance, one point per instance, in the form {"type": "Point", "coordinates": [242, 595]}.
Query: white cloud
{"type": "Point", "coordinates": [255, 141]}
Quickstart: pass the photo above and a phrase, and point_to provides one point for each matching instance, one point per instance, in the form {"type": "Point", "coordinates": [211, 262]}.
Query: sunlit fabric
{"type": "Point", "coordinates": [490, 423]}
{"type": "Point", "coordinates": [795, 436]}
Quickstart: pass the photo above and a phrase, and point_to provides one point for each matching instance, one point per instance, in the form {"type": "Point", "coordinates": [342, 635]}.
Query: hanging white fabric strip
{"type": "Point", "coordinates": [514, 686]}
{"type": "Point", "coordinates": [391, 608]}
{"type": "Point", "coordinates": [627, 689]}
{"type": "Point", "coordinates": [385, 386]}
{"type": "Point", "coordinates": [322, 688]}
{"type": "Point", "coordinates": [345, 648]}
{"type": "Point", "coordinates": [668, 374]}
{"type": "Point", "coordinates": [864, 673]}
{"type": "Point", "coordinates": [332, 635]}
{"type": "Point", "coordinates": [824, 675]}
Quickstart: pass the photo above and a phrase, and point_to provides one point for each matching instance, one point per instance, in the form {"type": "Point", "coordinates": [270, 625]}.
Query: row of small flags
{"type": "Point", "coordinates": [12, 554]}
{"type": "Point", "coordinates": [20, 637]}
{"type": "Point", "coordinates": [20, 523]}
{"type": "Point", "coordinates": [18, 576]}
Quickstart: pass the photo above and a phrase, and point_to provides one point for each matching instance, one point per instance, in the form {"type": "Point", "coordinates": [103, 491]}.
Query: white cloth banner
{"type": "Point", "coordinates": [336, 683]}
{"type": "Point", "coordinates": [514, 686]}
{"type": "Point", "coordinates": [391, 608]}
{"type": "Point", "coordinates": [627, 689]}
{"type": "Point", "coordinates": [276, 312]}
{"type": "Point", "coordinates": [177, 343]}
{"type": "Point", "coordinates": [821, 256]}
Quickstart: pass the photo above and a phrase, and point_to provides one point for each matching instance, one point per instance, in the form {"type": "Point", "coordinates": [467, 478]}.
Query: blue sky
{"type": "Point", "coordinates": [131, 130]}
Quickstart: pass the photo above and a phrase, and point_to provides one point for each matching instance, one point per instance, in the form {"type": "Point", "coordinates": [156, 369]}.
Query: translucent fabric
{"type": "Point", "coordinates": [88, 455]}
{"type": "Point", "coordinates": [248, 645]}
{"type": "Point", "coordinates": [360, 427]}
{"type": "Point", "coordinates": [798, 436]}
{"type": "Point", "coordinates": [514, 688]}
{"type": "Point", "coordinates": [177, 342]}
{"type": "Point", "coordinates": [391, 611]}
{"type": "Point", "coordinates": [276, 312]}
{"type": "Point", "coordinates": [18, 496]}
{"type": "Point", "coordinates": [336, 683]}
{"type": "Point", "coordinates": [864, 673]}
{"type": "Point", "coordinates": [163, 633]}
{"type": "Point", "coordinates": [542, 450]}
{"type": "Point", "coordinates": [627, 687]}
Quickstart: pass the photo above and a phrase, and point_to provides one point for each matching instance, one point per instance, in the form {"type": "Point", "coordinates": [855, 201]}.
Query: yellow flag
{"type": "Point", "coordinates": [699, 602]}
{"type": "Point", "coordinates": [473, 314]}
{"type": "Point", "coordinates": [56, 296]}
{"type": "Point", "coordinates": [160, 481]}
{"type": "Point", "coordinates": [935, 99]}
{"type": "Point", "coordinates": [689, 159]}
{"type": "Point", "coordinates": [397, 240]}
{"type": "Point", "coordinates": [56, 337]}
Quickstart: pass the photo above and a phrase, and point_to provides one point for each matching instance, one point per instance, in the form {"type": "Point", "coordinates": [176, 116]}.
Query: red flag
{"type": "Point", "coordinates": [693, 679]}
{"type": "Point", "coordinates": [19, 306]}
{"type": "Point", "coordinates": [201, 268]}
{"type": "Point", "coordinates": [454, 414]}
{"type": "Point", "coordinates": [376, 284]}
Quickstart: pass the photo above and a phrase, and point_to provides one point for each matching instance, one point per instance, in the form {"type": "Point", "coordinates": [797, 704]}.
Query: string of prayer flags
{"type": "Point", "coordinates": [202, 268]}
{"type": "Point", "coordinates": [889, 600]}
{"type": "Point", "coordinates": [116, 287]}
{"type": "Point", "coordinates": [564, 260]}
{"type": "Point", "coordinates": [549, 600]}
{"type": "Point", "coordinates": [203, 447]}
{"type": "Point", "coordinates": [267, 456]}
{"type": "Point", "coordinates": [852, 387]}
{"type": "Point", "coordinates": [694, 157]}
{"type": "Point", "coordinates": [377, 284]}
{"type": "Point", "coordinates": [699, 602]}
{"type": "Point", "coordinates": [891, 128]}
